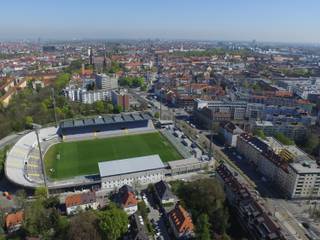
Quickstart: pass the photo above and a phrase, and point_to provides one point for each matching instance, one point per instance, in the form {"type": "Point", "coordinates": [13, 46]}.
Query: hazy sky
{"type": "Point", "coordinates": [263, 20]}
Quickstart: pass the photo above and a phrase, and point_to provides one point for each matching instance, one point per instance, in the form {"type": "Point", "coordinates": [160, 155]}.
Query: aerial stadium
{"type": "Point", "coordinates": [73, 152]}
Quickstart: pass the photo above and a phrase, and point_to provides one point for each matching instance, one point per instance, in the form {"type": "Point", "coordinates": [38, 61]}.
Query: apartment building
{"type": "Point", "coordinates": [106, 82]}
{"type": "Point", "coordinates": [294, 173]}
{"type": "Point", "coordinates": [251, 214]}
{"type": "Point", "coordinates": [208, 111]}
{"type": "Point", "coordinates": [120, 98]}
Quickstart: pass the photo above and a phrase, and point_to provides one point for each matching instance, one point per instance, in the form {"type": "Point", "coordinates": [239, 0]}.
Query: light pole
{"type": "Point", "coordinates": [37, 130]}
{"type": "Point", "coordinates": [54, 107]}
{"type": "Point", "coordinates": [160, 104]}
{"type": "Point", "coordinates": [211, 138]}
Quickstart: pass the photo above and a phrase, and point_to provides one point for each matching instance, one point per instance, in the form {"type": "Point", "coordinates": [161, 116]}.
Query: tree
{"type": "Point", "coordinates": [260, 133]}
{"type": "Point", "coordinates": [84, 225]}
{"type": "Point", "coordinates": [28, 121]}
{"type": "Point", "coordinates": [109, 108]}
{"type": "Point", "coordinates": [62, 80]}
{"type": "Point", "coordinates": [113, 222]}
{"type": "Point", "coordinates": [157, 115]}
{"type": "Point", "coordinates": [40, 221]}
{"type": "Point", "coordinates": [283, 139]}
{"type": "Point", "coordinates": [99, 106]}
{"type": "Point", "coordinates": [205, 196]}
{"type": "Point", "coordinates": [131, 81]}
{"type": "Point", "coordinates": [117, 109]}
{"type": "Point", "coordinates": [203, 228]}
{"type": "Point", "coordinates": [41, 193]}
{"type": "Point", "coordinates": [143, 209]}
{"type": "Point", "coordinates": [143, 87]}
{"type": "Point", "coordinates": [21, 196]}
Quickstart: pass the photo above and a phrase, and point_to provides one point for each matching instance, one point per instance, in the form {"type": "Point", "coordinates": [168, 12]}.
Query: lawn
{"type": "Point", "coordinates": [69, 159]}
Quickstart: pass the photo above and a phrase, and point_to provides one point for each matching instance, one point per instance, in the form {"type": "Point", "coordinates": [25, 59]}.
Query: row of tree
{"type": "Point", "coordinates": [132, 81]}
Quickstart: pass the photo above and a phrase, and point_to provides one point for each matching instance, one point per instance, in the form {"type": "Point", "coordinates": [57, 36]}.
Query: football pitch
{"type": "Point", "coordinates": [69, 159]}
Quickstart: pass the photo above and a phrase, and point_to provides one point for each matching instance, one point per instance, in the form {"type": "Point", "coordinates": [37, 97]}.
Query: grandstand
{"type": "Point", "coordinates": [102, 124]}
{"type": "Point", "coordinates": [23, 166]}
{"type": "Point", "coordinates": [81, 144]}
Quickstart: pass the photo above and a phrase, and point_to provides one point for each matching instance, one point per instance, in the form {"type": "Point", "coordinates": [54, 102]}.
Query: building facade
{"type": "Point", "coordinates": [133, 171]}
{"type": "Point", "coordinates": [106, 82]}
{"type": "Point", "coordinates": [293, 172]}
{"type": "Point", "coordinates": [81, 201]}
{"type": "Point", "coordinates": [120, 98]}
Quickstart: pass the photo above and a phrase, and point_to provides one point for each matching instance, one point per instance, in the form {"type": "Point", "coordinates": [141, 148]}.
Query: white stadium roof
{"type": "Point", "coordinates": [18, 156]}
{"type": "Point", "coordinates": [130, 165]}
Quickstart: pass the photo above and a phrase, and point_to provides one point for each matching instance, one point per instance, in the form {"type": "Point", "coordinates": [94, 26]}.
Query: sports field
{"type": "Point", "coordinates": [69, 159]}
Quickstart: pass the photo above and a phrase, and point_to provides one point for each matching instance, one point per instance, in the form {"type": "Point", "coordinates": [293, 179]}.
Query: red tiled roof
{"type": "Point", "coordinates": [181, 219]}
{"type": "Point", "coordinates": [13, 219]}
{"type": "Point", "coordinates": [129, 199]}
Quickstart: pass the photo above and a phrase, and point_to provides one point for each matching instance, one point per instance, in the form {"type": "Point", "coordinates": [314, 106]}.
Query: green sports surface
{"type": "Point", "coordinates": [69, 159]}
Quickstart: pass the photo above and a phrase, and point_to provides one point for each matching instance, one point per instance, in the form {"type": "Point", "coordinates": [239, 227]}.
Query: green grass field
{"type": "Point", "coordinates": [69, 159]}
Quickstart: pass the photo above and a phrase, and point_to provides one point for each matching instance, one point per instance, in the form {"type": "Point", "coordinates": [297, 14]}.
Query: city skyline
{"type": "Point", "coordinates": [272, 21]}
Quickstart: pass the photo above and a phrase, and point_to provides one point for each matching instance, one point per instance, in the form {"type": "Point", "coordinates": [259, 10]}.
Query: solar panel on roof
{"type": "Point", "coordinates": [136, 116]}
{"type": "Point", "coordinates": [98, 120]}
{"type": "Point", "coordinates": [108, 120]}
{"type": "Point", "coordinates": [118, 119]}
{"type": "Point", "coordinates": [127, 118]}
{"type": "Point", "coordinates": [145, 116]}
{"type": "Point", "coordinates": [88, 122]}
{"type": "Point", "coordinates": [67, 124]}
{"type": "Point", "coordinates": [78, 123]}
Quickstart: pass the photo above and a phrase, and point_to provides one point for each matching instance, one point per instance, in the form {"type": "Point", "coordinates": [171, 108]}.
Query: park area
{"type": "Point", "coordinates": [70, 159]}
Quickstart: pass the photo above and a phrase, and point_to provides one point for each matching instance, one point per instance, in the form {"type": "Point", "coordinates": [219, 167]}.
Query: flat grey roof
{"type": "Point", "coordinates": [130, 165]}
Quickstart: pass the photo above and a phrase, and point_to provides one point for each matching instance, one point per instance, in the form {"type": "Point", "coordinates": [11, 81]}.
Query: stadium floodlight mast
{"type": "Point", "coordinates": [36, 128]}
{"type": "Point", "coordinates": [54, 107]}
{"type": "Point", "coordinates": [162, 89]}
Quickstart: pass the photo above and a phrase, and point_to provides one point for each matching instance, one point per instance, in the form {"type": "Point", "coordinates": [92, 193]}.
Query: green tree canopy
{"type": "Point", "coordinates": [203, 228]}
{"type": "Point", "coordinates": [131, 81]}
{"type": "Point", "coordinates": [283, 139]}
{"type": "Point", "coordinates": [204, 196]}
{"type": "Point", "coordinates": [84, 225]}
{"type": "Point", "coordinates": [99, 106]}
{"type": "Point", "coordinates": [113, 222]}
{"type": "Point", "coordinates": [259, 133]}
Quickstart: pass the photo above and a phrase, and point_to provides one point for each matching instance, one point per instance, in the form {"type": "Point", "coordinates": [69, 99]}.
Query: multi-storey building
{"type": "Point", "coordinates": [251, 213]}
{"type": "Point", "coordinates": [140, 170]}
{"type": "Point", "coordinates": [85, 96]}
{"type": "Point", "coordinates": [208, 111]}
{"type": "Point", "coordinates": [106, 82]}
{"type": "Point", "coordinates": [292, 130]}
{"type": "Point", "coordinates": [293, 172]}
{"type": "Point", "coordinates": [120, 98]}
